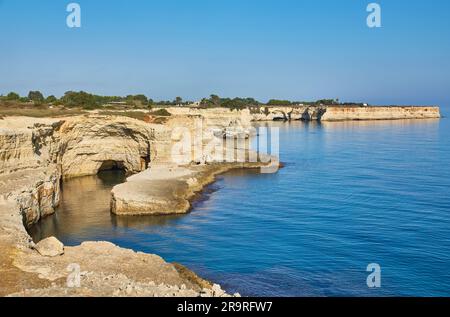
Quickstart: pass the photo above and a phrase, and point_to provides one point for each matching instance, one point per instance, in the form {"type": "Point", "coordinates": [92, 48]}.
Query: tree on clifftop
{"type": "Point", "coordinates": [51, 99]}
{"type": "Point", "coordinates": [276, 102]}
{"type": "Point", "coordinates": [36, 96]}
{"type": "Point", "coordinates": [216, 101]}
{"type": "Point", "coordinates": [141, 98]}
{"type": "Point", "coordinates": [12, 96]}
{"type": "Point", "coordinates": [79, 99]}
{"type": "Point", "coordinates": [178, 100]}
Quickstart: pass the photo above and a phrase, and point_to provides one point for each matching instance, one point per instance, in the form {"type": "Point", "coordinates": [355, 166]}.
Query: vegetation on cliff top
{"type": "Point", "coordinates": [160, 113]}
{"type": "Point", "coordinates": [35, 101]}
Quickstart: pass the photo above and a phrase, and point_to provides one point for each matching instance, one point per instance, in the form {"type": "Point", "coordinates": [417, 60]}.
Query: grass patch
{"type": "Point", "coordinates": [36, 111]}
{"type": "Point", "coordinates": [139, 115]}
{"type": "Point", "coordinates": [160, 113]}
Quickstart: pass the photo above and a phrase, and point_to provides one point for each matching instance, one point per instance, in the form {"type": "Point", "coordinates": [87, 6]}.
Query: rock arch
{"type": "Point", "coordinates": [112, 165]}
{"type": "Point", "coordinates": [89, 145]}
{"type": "Point", "coordinates": [279, 115]}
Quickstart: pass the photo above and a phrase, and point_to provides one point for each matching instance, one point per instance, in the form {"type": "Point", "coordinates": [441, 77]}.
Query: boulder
{"type": "Point", "coordinates": [50, 247]}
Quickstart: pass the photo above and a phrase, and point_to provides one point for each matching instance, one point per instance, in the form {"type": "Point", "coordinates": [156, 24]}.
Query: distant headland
{"type": "Point", "coordinates": [35, 104]}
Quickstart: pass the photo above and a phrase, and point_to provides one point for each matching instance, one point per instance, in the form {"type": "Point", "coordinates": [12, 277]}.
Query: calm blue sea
{"type": "Point", "coordinates": [351, 194]}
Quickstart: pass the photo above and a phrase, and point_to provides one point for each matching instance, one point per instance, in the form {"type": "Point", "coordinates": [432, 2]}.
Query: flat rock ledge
{"type": "Point", "coordinates": [103, 269]}
{"type": "Point", "coordinates": [164, 190]}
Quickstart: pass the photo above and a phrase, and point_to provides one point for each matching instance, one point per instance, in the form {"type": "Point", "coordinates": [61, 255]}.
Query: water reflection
{"type": "Point", "coordinates": [85, 211]}
{"type": "Point", "coordinates": [383, 124]}
{"type": "Point", "coordinates": [138, 222]}
{"type": "Point", "coordinates": [85, 202]}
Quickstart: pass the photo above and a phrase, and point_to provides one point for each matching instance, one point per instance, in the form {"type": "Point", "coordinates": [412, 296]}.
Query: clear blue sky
{"type": "Point", "coordinates": [290, 49]}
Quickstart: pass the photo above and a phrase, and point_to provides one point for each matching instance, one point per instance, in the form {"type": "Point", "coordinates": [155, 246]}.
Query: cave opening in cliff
{"type": "Point", "coordinates": [112, 166]}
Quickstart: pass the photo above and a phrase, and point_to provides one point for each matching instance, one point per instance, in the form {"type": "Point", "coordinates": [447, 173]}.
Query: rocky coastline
{"type": "Point", "coordinates": [322, 113]}
{"type": "Point", "coordinates": [36, 155]}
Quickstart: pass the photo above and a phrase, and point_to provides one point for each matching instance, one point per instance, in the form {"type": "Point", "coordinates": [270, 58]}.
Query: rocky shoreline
{"type": "Point", "coordinates": [36, 155]}
{"type": "Point", "coordinates": [164, 190]}
{"type": "Point", "coordinates": [324, 113]}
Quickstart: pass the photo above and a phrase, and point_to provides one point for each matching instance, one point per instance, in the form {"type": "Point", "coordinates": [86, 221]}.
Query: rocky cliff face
{"type": "Point", "coordinates": [217, 117]}
{"type": "Point", "coordinates": [35, 155]}
{"type": "Point", "coordinates": [16, 151]}
{"type": "Point", "coordinates": [29, 174]}
{"type": "Point", "coordinates": [88, 145]}
{"type": "Point", "coordinates": [41, 198]}
{"type": "Point", "coordinates": [200, 129]}
{"type": "Point", "coordinates": [57, 149]}
{"type": "Point", "coordinates": [379, 113]}
{"type": "Point", "coordinates": [343, 113]}
{"type": "Point", "coordinates": [25, 142]}
{"type": "Point", "coordinates": [84, 145]}
{"type": "Point", "coordinates": [53, 149]}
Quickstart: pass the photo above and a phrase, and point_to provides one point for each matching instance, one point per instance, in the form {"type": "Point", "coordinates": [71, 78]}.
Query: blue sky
{"type": "Point", "coordinates": [289, 49]}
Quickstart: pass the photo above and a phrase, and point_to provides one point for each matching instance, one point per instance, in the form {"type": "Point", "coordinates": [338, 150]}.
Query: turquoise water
{"type": "Point", "coordinates": [351, 193]}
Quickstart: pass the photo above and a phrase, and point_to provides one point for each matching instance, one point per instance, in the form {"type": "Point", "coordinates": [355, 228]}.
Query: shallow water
{"type": "Point", "coordinates": [351, 193]}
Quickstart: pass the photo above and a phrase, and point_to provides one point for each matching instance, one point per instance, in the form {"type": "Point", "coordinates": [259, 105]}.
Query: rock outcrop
{"type": "Point", "coordinates": [379, 113]}
{"type": "Point", "coordinates": [50, 247]}
{"type": "Point", "coordinates": [103, 269]}
{"type": "Point", "coordinates": [163, 190]}
{"type": "Point", "coordinates": [343, 113]}
{"type": "Point", "coordinates": [22, 141]}
{"type": "Point", "coordinates": [41, 197]}
{"type": "Point", "coordinates": [89, 144]}
{"type": "Point", "coordinates": [54, 149]}
{"type": "Point", "coordinates": [37, 154]}
{"type": "Point", "coordinates": [216, 117]}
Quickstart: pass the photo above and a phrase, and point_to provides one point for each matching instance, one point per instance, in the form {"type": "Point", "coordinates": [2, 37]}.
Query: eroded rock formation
{"type": "Point", "coordinates": [338, 113]}
{"type": "Point", "coordinates": [343, 113]}
{"type": "Point", "coordinates": [88, 145]}
{"type": "Point", "coordinates": [36, 155]}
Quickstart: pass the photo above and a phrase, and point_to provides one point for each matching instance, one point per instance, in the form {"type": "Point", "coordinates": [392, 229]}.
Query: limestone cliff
{"type": "Point", "coordinates": [23, 143]}
{"type": "Point", "coordinates": [89, 144]}
{"type": "Point", "coordinates": [217, 117]}
{"type": "Point", "coordinates": [83, 145]}
{"type": "Point", "coordinates": [379, 113]}
{"type": "Point", "coordinates": [51, 149]}
{"type": "Point", "coordinates": [36, 154]}
{"type": "Point", "coordinates": [343, 113]}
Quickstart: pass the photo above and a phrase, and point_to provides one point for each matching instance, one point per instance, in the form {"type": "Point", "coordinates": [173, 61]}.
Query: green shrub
{"type": "Point", "coordinates": [51, 99]}
{"type": "Point", "coordinates": [276, 102]}
{"type": "Point", "coordinates": [161, 113]}
{"type": "Point", "coordinates": [36, 96]}
{"type": "Point", "coordinates": [12, 96]}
